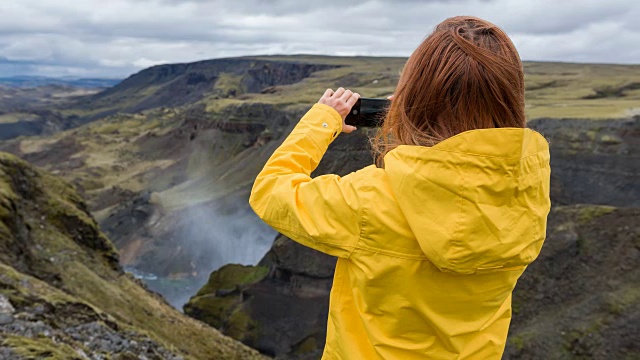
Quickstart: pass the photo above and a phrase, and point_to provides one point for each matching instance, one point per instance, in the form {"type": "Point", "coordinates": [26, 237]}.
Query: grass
{"type": "Point", "coordinates": [40, 348]}
{"type": "Point", "coordinates": [13, 117]}
{"type": "Point", "coordinates": [563, 90]}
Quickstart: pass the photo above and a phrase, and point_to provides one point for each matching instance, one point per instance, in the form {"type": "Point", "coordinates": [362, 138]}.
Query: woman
{"type": "Point", "coordinates": [431, 241]}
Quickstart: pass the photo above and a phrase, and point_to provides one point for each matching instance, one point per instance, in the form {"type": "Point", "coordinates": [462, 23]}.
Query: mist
{"type": "Point", "coordinates": [211, 235]}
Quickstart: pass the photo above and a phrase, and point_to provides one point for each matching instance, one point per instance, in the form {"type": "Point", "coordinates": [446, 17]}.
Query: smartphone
{"type": "Point", "coordinates": [368, 112]}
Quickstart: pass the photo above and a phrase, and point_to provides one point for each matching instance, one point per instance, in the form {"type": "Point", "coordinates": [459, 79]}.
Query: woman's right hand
{"type": "Point", "coordinates": [342, 101]}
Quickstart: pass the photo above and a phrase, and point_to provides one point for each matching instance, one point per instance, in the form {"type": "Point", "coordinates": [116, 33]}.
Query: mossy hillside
{"type": "Point", "coordinates": [555, 90]}
{"type": "Point", "coordinates": [103, 155]}
{"type": "Point", "coordinates": [53, 238]}
{"type": "Point", "coordinates": [232, 276]}
{"type": "Point", "coordinates": [47, 207]}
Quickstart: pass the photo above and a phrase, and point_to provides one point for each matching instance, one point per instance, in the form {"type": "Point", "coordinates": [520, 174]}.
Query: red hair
{"type": "Point", "coordinates": [465, 75]}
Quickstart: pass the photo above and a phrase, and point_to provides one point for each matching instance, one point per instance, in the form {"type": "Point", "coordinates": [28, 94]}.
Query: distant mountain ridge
{"type": "Point", "coordinates": [173, 85]}
{"type": "Point", "coordinates": [27, 81]}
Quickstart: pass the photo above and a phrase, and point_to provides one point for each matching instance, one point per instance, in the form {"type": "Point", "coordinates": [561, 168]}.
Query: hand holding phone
{"type": "Point", "coordinates": [342, 101]}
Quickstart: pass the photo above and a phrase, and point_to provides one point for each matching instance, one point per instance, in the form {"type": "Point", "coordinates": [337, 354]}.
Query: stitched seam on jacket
{"type": "Point", "coordinates": [361, 215]}
{"type": "Point", "coordinates": [306, 134]}
{"type": "Point", "coordinates": [308, 237]}
{"type": "Point", "coordinates": [489, 156]}
{"type": "Point", "coordinates": [393, 254]}
{"type": "Point", "coordinates": [457, 232]}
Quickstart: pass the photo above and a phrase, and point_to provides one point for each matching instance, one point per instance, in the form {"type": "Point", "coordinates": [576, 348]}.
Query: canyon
{"type": "Point", "coordinates": [166, 159]}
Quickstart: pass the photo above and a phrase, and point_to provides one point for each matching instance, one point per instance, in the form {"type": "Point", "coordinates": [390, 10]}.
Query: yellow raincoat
{"type": "Point", "coordinates": [429, 248]}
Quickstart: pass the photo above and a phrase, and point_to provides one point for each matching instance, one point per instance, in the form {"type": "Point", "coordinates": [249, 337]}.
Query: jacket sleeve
{"type": "Point", "coordinates": [322, 213]}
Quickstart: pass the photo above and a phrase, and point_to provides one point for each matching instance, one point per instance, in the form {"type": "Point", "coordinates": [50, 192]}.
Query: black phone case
{"type": "Point", "coordinates": [368, 112]}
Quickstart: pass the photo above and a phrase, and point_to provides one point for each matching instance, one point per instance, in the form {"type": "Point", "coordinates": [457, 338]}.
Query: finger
{"type": "Point", "coordinates": [353, 100]}
{"type": "Point", "coordinates": [347, 129]}
{"type": "Point", "coordinates": [391, 97]}
{"type": "Point", "coordinates": [346, 95]}
{"type": "Point", "coordinates": [338, 92]}
{"type": "Point", "coordinates": [327, 93]}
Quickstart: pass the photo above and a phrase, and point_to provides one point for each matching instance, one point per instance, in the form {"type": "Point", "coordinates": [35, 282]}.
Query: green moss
{"type": "Point", "coordinates": [228, 85]}
{"type": "Point", "coordinates": [307, 345]}
{"type": "Point", "coordinates": [521, 340]}
{"type": "Point", "coordinates": [40, 348]}
{"type": "Point", "coordinates": [240, 326]}
{"type": "Point", "coordinates": [211, 309]}
{"type": "Point", "coordinates": [233, 275]}
{"type": "Point", "coordinates": [588, 213]}
{"type": "Point", "coordinates": [515, 307]}
{"type": "Point", "coordinates": [618, 302]}
{"type": "Point", "coordinates": [517, 341]}
{"type": "Point", "coordinates": [610, 139]}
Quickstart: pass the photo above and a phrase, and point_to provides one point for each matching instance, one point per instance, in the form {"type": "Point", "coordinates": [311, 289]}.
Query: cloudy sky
{"type": "Point", "coordinates": [114, 38]}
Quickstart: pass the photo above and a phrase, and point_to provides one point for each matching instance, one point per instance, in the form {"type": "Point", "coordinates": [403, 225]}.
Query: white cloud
{"type": "Point", "coordinates": [145, 63]}
{"type": "Point", "coordinates": [117, 37]}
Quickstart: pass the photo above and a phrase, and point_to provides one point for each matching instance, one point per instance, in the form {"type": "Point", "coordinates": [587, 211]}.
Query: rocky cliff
{"type": "Point", "coordinates": [63, 294]}
{"type": "Point", "coordinates": [579, 300]}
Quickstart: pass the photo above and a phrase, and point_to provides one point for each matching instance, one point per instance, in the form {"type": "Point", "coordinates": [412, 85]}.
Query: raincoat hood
{"type": "Point", "coordinates": [476, 202]}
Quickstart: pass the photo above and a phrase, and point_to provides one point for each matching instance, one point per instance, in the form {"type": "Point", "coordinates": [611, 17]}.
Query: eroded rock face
{"type": "Point", "coordinates": [593, 161]}
{"type": "Point", "coordinates": [579, 299]}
